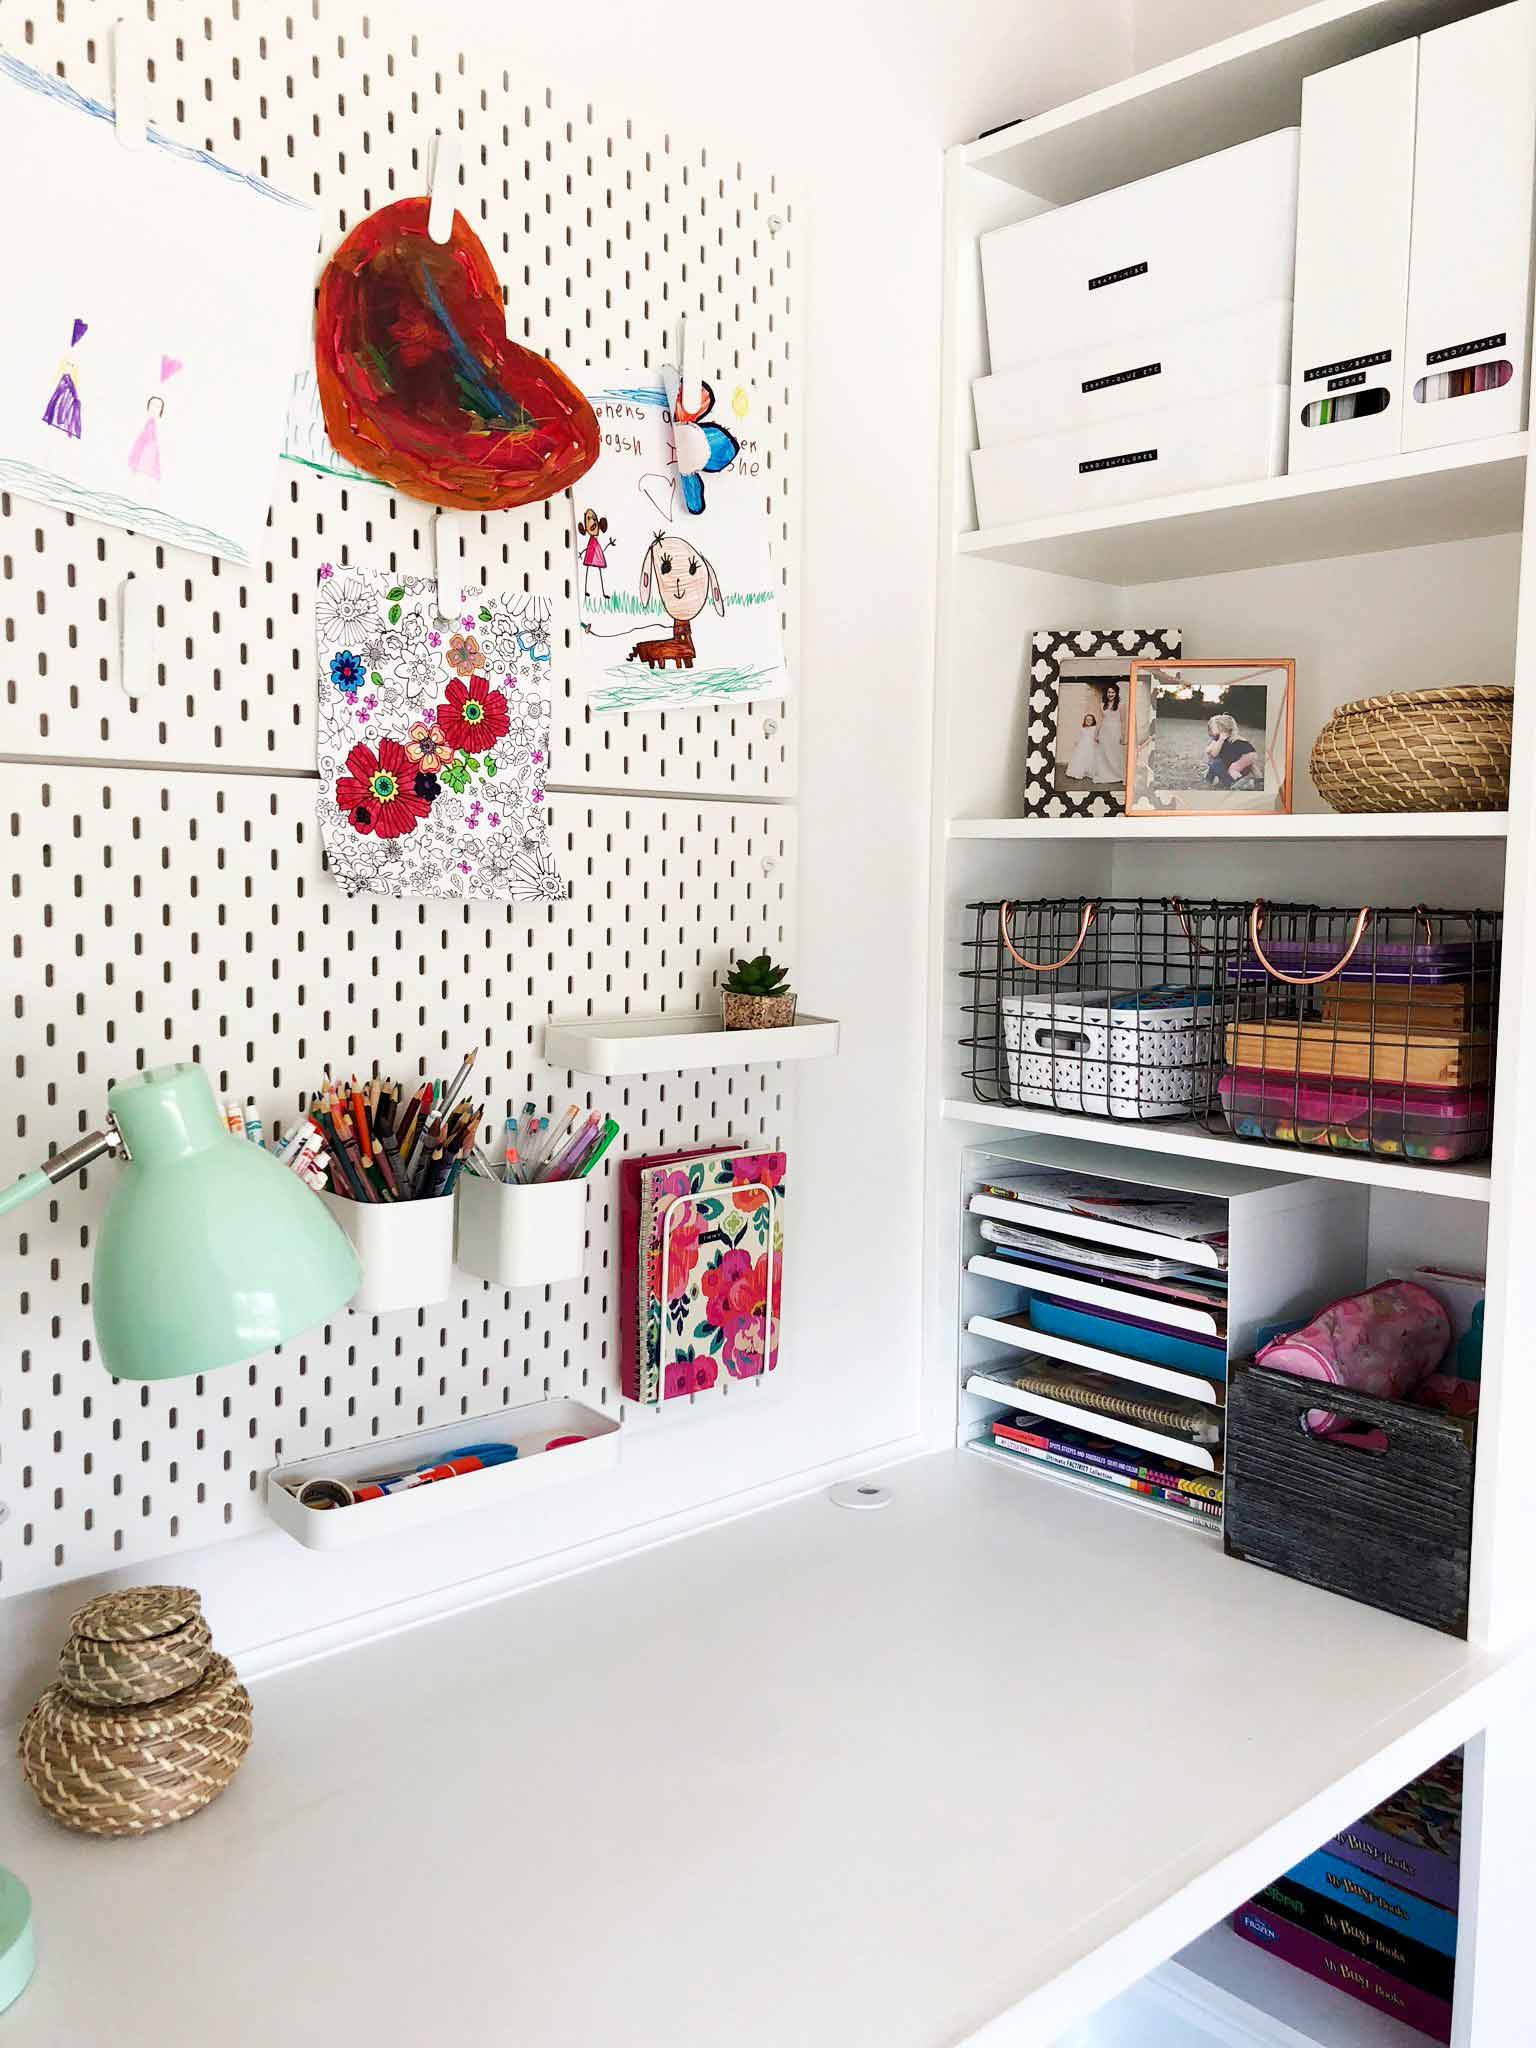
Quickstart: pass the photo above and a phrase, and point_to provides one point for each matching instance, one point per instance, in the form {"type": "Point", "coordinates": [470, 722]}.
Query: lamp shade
{"type": "Point", "coordinates": [210, 1251]}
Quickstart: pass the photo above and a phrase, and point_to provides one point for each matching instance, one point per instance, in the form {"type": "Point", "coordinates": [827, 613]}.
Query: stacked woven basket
{"type": "Point", "coordinates": [1418, 750]}
{"type": "Point", "coordinates": [147, 1723]}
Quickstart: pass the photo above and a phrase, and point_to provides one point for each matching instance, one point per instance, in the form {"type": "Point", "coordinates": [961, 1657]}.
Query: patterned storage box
{"type": "Point", "coordinates": [1137, 1053]}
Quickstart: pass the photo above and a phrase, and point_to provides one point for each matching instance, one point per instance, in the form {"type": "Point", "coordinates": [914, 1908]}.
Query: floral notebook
{"type": "Point", "coordinates": [433, 739]}
{"type": "Point", "coordinates": [710, 1283]}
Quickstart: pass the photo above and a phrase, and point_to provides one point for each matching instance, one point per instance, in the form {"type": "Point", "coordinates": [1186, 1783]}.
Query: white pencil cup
{"type": "Point", "coordinates": [405, 1248]}
{"type": "Point", "coordinates": [521, 1236]}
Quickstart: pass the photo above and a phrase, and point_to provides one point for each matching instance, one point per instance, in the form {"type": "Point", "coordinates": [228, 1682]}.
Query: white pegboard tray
{"type": "Point", "coordinates": [535, 1467]}
{"type": "Point", "coordinates": [660, 1045]}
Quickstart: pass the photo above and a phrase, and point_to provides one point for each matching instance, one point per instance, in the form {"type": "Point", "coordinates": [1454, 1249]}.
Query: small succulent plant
{"type": "Point", "coordinates": [759, 977]}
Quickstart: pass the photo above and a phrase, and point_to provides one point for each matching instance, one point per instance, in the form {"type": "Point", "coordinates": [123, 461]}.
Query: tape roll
{"type": "Point", "coordinates": [325, 1493]}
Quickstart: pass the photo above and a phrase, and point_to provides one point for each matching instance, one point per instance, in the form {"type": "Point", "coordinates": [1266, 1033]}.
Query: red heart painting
{"type": "Point", "coordinates": [419, 383]}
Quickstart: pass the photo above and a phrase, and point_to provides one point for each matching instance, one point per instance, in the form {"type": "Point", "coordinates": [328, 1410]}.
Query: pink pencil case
{"type": "Point", "coordinates": [1382, 1342]}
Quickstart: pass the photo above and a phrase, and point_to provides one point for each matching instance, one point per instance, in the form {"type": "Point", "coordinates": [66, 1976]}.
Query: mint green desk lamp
{"type": "Point", "coordinates": [210, 1251]}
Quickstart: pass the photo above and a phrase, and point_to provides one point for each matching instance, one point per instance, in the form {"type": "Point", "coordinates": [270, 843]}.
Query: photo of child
{"type": "Point", "coordinates": [1090, 735]}
{"type": "Point", "coordinates": [1211, 737]}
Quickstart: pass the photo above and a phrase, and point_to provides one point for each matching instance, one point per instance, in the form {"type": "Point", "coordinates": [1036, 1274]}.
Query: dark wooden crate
{"type": "Point", "coordinates": [1393, 1530]}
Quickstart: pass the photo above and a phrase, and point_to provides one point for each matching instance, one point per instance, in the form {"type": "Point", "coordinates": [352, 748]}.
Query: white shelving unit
{"type": "Point", "coordinates": [1386, 575]}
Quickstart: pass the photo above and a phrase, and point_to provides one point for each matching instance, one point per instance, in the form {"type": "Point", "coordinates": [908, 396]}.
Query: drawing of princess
{"type": "Point", "coordinates": [63, 408]}
{"type": "Point", "coordinates": [144, 455]}
{"type": "Point", "coordinates": [593, 556]}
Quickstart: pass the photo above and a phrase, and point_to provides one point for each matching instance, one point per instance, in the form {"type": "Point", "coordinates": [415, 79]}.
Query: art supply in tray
{"type": "Point", "coordinates": [392, 1141]}
{"type": "Point", "coordinates": [536, 1149]}
{"type": "Point", "coordinates": [326, 1493]}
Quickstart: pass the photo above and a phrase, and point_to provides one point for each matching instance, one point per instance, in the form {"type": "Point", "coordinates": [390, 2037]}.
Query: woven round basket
{"type": "Point", "coordinates": [1418, 750]}
{"type": "Point", "coordinates": [136, 1646]}
{"type": "Point", "coordinates": [128, 1770]}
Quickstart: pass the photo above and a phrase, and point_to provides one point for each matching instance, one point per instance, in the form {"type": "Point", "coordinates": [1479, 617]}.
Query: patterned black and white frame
{"type": "Point", "coordinates": [1049, 650]}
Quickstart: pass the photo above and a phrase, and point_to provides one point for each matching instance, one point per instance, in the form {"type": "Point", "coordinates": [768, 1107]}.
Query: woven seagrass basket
{"type": "Point", "coordinates": [140, 1645]}
{"type": "Point", "coordinates": [1418, 750]}
{"type": "Point", "coordinates": [147, 1723]}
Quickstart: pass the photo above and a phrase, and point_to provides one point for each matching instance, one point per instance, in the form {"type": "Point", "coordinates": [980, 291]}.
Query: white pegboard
{"type": "Point", "coordinates": [167, 898]}
{"type": "Point", "coordinates": [156, 917]}
{"type": "Point", "coordinates": [601, 235]}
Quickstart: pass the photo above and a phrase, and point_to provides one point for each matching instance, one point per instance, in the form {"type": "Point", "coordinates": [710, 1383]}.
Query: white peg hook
{"type": "Point", "coordinates": [439, 589]}
{"type": "Point", "coordinates": [135, 644]}
{"type": "Point", "coordinates": [447, 156]}
{"type": "Point", "coordinates": [683, 364]}
{"type": "Point", "coordinates": [130, 86]}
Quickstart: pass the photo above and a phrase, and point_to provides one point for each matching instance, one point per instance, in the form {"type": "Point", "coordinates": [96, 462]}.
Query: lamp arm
{"type": "Point", "coordinates": [73, 1159]}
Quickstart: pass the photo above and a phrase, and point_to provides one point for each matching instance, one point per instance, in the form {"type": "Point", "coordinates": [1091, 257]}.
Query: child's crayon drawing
{"type": "Point", "coordinates": [675, 593]}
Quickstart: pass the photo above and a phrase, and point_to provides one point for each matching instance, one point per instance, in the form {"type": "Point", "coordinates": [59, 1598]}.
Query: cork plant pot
{"type": "Point", "coordinates": [758, 1013]}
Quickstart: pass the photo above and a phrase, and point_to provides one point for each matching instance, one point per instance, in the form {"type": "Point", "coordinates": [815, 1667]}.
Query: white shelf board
{"type": "Point", "coordinates": [1116, 1499]}
{"type": "Point", "coordinates": [1248, 85]}
{"type": "Point", "coordinates": [1308, 829]}
{"type": "Point", "coordinates": [1155, 1443]}
{"type": "Point", "coordinates": [796, 1765]}
{"type": "Point", "coordinates": [1466, 1183]}
{"type": "Point", "coordinates": [649, 1045]}
{"type": "Point", "coordinates": [1261, 2002]}
{"type": "Point", "coordinates": [1040, 1343]}
{"type": "Point", "coordinates": [1361, 508]}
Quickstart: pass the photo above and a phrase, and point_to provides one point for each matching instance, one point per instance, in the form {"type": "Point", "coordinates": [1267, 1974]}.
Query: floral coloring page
{"type": "Point", "coordinates": [433, 739]}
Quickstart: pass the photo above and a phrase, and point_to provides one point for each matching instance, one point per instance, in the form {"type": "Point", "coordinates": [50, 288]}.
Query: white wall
{"type": "Point", "coordinates": [1162, 29]}
{"type": "Point", "coordinates": [852, 106]}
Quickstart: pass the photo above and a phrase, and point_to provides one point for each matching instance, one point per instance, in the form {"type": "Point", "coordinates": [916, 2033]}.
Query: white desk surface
{"type": "Point", "coordinates": [812, 1779]}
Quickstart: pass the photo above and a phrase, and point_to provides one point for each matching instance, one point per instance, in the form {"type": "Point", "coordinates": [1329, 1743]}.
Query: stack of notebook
{"type": "Point", "coordinates": [1374, 1910]}
{"type": "Point", "coordinates": [701, 1276]}
{"type": "Point", "coordinates": [1118, 1363]}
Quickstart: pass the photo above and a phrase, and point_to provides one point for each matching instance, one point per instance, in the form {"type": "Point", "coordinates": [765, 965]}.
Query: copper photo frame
{"type": "Point", "coordinates": [1210, 738]}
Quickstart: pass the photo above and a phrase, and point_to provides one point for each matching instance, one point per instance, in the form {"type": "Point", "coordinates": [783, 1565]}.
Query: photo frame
{"type": "Point", "coordinates": [1210, 738]}
{"type": "Point", "coordinates": [1077, 673]}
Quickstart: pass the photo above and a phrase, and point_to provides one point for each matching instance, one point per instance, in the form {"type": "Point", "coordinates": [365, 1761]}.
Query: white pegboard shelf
{"type": "Point", "coordinates": [656, 1045]}
{"type": "Point", "coordinates": [535, 1467]}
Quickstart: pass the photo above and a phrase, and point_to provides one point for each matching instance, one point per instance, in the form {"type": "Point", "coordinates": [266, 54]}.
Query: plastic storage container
{"type": "Point", "coordinates": [1438, 1124]}
{"type": "Point", "coordinates": [517, 1236]}
{"type": "Point", "coordinates": [1232, 438]}
{"type": "Point", "coordinates": [1201, 239]}
{"type": "Point", "coordinates": [1140, 1054]}
{"type": "Point", "coordinates": [406, 1250]}
{"type": "Point", "coordinates": [1182, 365]}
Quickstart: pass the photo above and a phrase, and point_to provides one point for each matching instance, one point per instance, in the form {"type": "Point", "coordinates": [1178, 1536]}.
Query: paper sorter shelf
{"type": "Point", "coordinates": [1191, 1251]}
{"type": "Point", "coordinates": [645, 1045]}
{"type": "Point", "coordinates": [1157, 1441]}
{"type": "Point", "coordinates": [1189, 1386]}
{"type": "Point", "coordinates": [1141, 1503]}
{"type": "Point", "coordinates": [1172, 1315]}
{"type": "Point", "coordinates": [530, 1427]}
